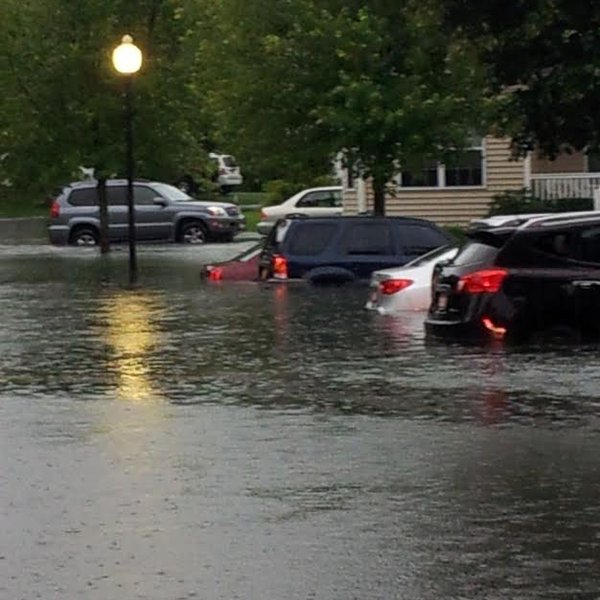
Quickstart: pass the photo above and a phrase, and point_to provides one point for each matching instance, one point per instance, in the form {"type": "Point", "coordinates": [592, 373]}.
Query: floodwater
{"type": "Point", "coordinates": [243, 440]}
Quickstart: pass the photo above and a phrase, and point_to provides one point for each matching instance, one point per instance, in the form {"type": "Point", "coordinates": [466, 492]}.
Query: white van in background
{"type": "Point", "coordinates": [228, 174]}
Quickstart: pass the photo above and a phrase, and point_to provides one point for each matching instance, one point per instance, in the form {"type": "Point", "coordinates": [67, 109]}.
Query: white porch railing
{"type": "Point", "coordinates": [564, 185]}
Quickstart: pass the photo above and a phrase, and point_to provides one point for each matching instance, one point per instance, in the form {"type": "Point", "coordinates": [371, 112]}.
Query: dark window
{"type": "Point", "coordinates": [368, 238]}
{"type": "Point", "coordinates": [426, 176]}
{"type": "Point", "coordinates": [320, 200]}
{"type": "Point", "coordinates": [144, 195]}
{"type": "Point", "coordinates": [310, 239]}
{"type": "Point", "coordinates": [84, 197]}
{"type": "Point", "coordinates": [117, 195]}
{"type": "Point", "coordinates": [558, 244]}
{"type": "Point", "coordinates": [588, 245]}
{"type": "Point", "coordinates": [465, 169]}
{"type": "Point", "coordinates": [420, 239]}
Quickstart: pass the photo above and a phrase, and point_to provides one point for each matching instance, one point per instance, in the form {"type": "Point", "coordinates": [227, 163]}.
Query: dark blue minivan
{"type": "Point", "coordinates": [345, 249]}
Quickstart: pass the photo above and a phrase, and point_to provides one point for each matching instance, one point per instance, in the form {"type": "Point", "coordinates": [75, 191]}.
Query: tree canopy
{"type": "Point", "coordinates": [543, 59]}
{"type": "Point", "coordinates": [379, 81]}
{"type": "Point", "coordinates": [62, 105]}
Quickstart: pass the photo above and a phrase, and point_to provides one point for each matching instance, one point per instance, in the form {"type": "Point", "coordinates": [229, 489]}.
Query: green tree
{"type": "Point", "coordinates": [61, 105]}
{"type": "Point", "coordinates": [543, 59]}
{"type": "Point", "coordinates": [301, 80]}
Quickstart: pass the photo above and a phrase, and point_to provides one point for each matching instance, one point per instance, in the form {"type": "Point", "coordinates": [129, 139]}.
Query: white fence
{"type": "Point", "coordinates": [565, 185]}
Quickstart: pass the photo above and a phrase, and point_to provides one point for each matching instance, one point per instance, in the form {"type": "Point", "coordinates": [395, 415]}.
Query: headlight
{"type": "Point", "coordinates": [217, 211]}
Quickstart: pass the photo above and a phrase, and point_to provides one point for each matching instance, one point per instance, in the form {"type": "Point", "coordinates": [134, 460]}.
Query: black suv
{"type": "Point", "coordinates": [344, 249]}
{"type": "Point", "coordinates": [532, 280]}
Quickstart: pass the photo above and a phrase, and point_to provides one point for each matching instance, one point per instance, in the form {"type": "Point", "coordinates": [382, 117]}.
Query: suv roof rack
{"type": "Point", "coordinates": [567, 218]}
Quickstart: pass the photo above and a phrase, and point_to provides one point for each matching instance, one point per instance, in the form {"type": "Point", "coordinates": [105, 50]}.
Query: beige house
{"type": "Point", "coordinates": [455, 195]}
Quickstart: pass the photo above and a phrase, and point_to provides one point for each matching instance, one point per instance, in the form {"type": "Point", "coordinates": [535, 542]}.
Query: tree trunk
{"type": "Point", "coordinates": [103, 205]}
{"type": "Point", "coordinates": [379, 184]}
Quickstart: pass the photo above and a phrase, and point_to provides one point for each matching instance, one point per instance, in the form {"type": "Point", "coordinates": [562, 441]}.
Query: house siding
{"type": "Point", "coordinates": [452, 206]}
{"type": "Point", "coordinates": [563, 163]}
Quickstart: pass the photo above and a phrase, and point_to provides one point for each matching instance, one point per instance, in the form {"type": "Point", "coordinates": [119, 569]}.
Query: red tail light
{"type": "Point", "coordinates": [263, 215]}
{"type": "Point", "coordinates": [54, 209]}
{"type": "Point", "coordinates": [280, 267]}
{"type": "Point", "coordinates": [481, 282]}
{"type": "Point", "coordinates": [393, 286]}
{"type": "Point", "coordinates": [215, 273]}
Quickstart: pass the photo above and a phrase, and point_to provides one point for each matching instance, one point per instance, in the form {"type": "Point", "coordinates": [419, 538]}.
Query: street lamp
{"type": "Point", "coordinates": [127, 60]}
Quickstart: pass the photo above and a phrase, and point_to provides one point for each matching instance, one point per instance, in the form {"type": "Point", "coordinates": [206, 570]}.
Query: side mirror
{"type": "Point", "coordinates": [160, 201]}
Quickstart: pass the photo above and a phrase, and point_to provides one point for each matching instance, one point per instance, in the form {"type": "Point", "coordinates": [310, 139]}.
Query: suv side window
{"type": "Point", "coordinates": [587, 247]}
{"type": "Point", "coordinates": [84, 197]}
{"type": "Point", "coordinates": [418, 239]}
{"type": "Point", "coordinates": [310, 239]}
{"type": "Point", "coordinates": [116, 195]}
{"type": "Point", "coordinates": [368, 238]}
{"type": "Point", "coordinates": [144, 195]}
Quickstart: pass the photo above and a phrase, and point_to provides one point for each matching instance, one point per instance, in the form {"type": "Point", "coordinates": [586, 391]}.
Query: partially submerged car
{"type": "Point", "coordinates": [535, 280]}
{"type": "Point", "coordinates": [345, 249]}
{"type": "Point", "coordinates": [243, 267]}
{"type": "Point", "coordinates": [408, 287]}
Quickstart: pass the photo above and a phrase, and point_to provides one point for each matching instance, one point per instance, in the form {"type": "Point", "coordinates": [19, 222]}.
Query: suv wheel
{"type": "Point", "coordinates": [193, 232]}
{"type": "Point", "coordinates": [84, 236]}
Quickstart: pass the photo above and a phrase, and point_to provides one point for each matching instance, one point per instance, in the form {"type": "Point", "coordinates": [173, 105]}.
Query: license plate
{"type": "Point", "coordinates": [442, 302]}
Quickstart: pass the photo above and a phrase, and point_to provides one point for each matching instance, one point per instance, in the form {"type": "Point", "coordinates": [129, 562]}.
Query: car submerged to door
{"type": "Point", "coordinates": [344, 249]}
{"type": "Point", "coordinates": [162, 213]}
{"type": "Point", "coordinates": [408, 287]}
{"type": "Point", "coordinates": [537, 280]}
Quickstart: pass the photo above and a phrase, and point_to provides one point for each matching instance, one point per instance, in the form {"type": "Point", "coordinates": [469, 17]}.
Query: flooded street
{"type": "Point", "coordinates": [242, 440]}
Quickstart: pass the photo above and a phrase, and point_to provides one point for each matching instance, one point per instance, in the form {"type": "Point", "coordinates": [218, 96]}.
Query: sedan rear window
{"type": "Point", "coordinates": [475, 252]}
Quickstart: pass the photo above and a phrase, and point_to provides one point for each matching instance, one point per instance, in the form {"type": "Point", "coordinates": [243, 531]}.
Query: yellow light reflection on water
{"type": "Point", "coordinates": [132, 336]}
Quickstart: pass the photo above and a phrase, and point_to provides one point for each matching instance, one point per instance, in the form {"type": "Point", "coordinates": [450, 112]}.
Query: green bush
{"type": "Point", "coordinates": [522, 201]}
{"type": "Point", "coordinates": [278, 190]}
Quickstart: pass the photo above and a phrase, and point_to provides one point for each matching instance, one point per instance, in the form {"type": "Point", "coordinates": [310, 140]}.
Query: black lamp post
{"type": "Point", "coordinates": [127, 60]}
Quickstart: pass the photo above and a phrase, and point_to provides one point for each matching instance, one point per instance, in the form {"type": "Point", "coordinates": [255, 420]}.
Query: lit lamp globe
{"type": "Point", "coordinates": [127, 57]}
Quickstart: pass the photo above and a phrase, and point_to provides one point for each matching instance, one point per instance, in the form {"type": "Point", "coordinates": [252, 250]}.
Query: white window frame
{"type": "Point", "coordinates": [441, 175]}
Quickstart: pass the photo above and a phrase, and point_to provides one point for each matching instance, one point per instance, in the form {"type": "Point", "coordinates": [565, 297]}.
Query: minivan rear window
{"type": "Point", "coordinates": [310, 239]}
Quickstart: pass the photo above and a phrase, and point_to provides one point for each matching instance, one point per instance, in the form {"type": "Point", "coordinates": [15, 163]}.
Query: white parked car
{"type": "Point", "coordinates": [407, 287]}
{"type": "Point", "coordinates": [312, 202]}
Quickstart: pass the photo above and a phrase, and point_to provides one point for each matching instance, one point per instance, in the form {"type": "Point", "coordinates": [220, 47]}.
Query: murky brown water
{"type": "Point", "coordinates": [182, 440]}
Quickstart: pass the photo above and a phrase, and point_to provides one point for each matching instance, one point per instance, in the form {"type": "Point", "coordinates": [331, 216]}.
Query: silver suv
{"type": "Point", "coordinates": [162, 212]}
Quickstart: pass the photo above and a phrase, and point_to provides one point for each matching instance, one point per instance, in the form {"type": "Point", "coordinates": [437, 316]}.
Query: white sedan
{"type": "Point", "coordinates": [313, 202]}
{"type": "Point", "coordinates": [407, 287]}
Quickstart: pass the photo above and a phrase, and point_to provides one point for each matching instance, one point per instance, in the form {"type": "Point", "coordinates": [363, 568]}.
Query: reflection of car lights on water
{"type": "Point", "coordinates": [131, 335]}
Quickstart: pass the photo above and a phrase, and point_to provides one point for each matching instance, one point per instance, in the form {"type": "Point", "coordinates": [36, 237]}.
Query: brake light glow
{"type": "Point", "coordinates": [496, 330]}
{"type": "Point", "coordinates": [215, 273]}
{"type": "Point", "coordinates": [54, 209]}
{"type": "Point", "coordinates": [481, 282]}
{"type": "Point", "coordinates": [393, 286]}
{"type": "Point", "coordinates": [280, 267]}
